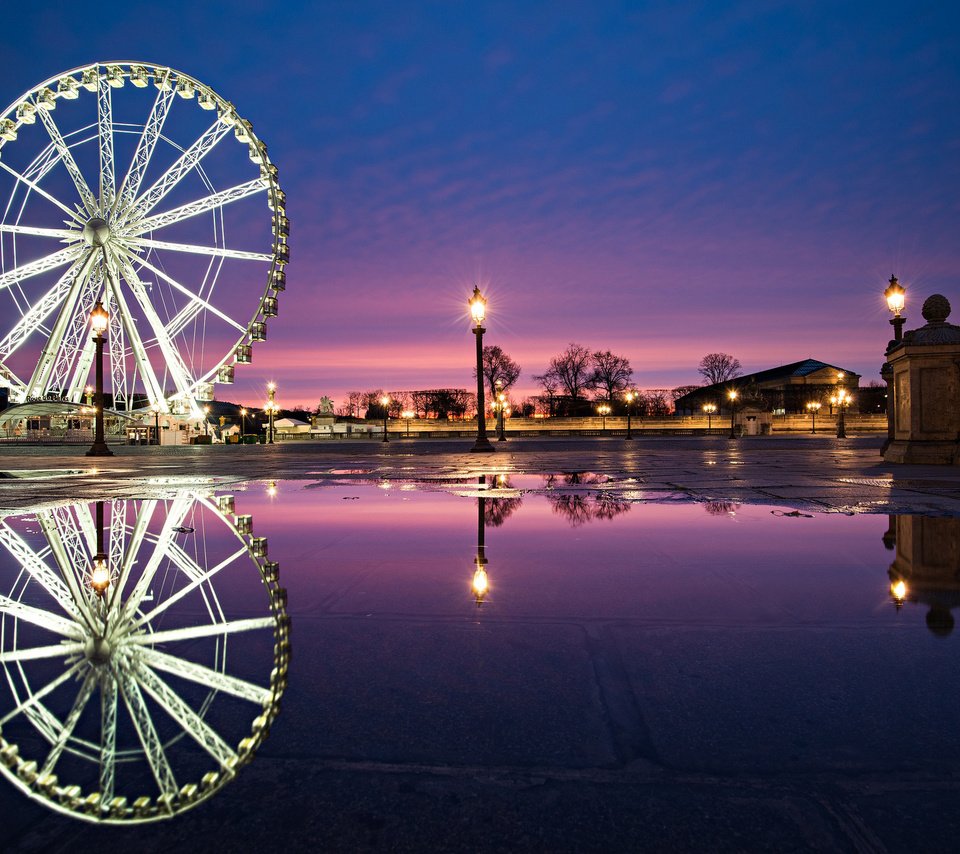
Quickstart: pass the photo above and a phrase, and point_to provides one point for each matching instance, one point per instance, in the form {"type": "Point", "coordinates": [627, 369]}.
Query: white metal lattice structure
{"type": "Point", "coordinates": [137, 185]}
{"type": "Point", "coordinates": [125, 707]}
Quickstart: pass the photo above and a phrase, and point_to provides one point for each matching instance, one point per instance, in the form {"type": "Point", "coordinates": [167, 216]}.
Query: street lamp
{"type": "Point", "coordinates": [478, 311]}
{"type": "Point", "coordinates": [842, 399]}
{"type": "Point", "coordinates": [813, 407]}
{"type": "Point", "coordinates": [385, 402]}
{"type": "Point", "coordinates": [709, 408]}
{"type": "Point", "coordinates": [271, 409]}
{"type": "Point", "coordinates": [99, 319]}
{"type": "Point", "coordinates": [603, 410]}
{"type": "Point", "coordinates": [89, 392]}
{"type": "Point", "coordinates": [732, 395]}
{"type": "Point", "coordinates": [894, 295]}
{"type": "Point", "coordinates": [630, 397]}
{"type": "Point", "coordinates": [406, 415]}
{"type": "Point", "coordinates": [156, 423]}
{"type": "Point", "coordinates": [243, 423]}
{"type": "Point", "coordinates": [206, 421]}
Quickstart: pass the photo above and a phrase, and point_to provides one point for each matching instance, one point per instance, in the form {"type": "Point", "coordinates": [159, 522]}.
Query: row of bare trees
{"type": "Point", "coordinates": [572, 378]}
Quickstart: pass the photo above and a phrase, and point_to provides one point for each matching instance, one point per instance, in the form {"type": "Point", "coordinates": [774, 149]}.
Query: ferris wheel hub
{"type": "Point", "coordinates": [97, 650]}
{"type": "Point", "coordinates": [96, 232]}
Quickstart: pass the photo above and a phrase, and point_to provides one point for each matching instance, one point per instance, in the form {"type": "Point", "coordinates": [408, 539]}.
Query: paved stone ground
{"type": "Point", "coordinates": [810, 472]}
{"type": "Point", "coordinates": [303, 793]}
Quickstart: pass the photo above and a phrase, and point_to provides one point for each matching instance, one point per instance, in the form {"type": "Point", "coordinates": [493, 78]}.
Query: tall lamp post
{"type": "Point", "coordinates": [813, 407]}
{"type": "Point", "coordinates": [156, 423]}
{"type": "Point", "coordinates": [842, 400]}
{"type": "Point", "coordinates": [243, 423]}
{"type": "Point", "coordinates": [732, 395]}
{"type": "Point", "coordinates": [478, 311]}
{"type": "Point", "coordinates": [501, 405]}
{"type": "Point", "coordinates": [271, 409]}
{"type": "Point", "coordinates": [99, 319]}
{"type": "Point", "coordinates": [895, 296]}
{"type": "Point", "coordinates": [406, 415]}
{"type": "Point", "coordinates": [603, 410]}
{"type": "Point", "coordinates": [630, 397]}
{"type": "Point", "coordinates": [206, 421]}
{"type": "Point", "coordinates": [100, 571]}
{"type": "Point", "coordinates": [385, 402]}
{"type": "Point", "coordinates": [709, 409]}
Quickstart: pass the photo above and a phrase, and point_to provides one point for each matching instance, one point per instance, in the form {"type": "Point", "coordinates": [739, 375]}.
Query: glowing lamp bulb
{"type": "Point", "coordinates": [898, 590]}
{"type": "Point", "coordinates": [478, 306]}
{"type": "Point", "coordinates": [99, 318]}
{"type": "Point", "coordinates": [895, 296]}
{"type": "Point", "coordinates": [732, 394]}
{"type": "Point", "coordinates": [384, 400]}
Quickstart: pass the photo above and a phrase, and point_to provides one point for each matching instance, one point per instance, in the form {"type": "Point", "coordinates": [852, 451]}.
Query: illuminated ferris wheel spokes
{"type": "Point", "coordinates": [78, 226]}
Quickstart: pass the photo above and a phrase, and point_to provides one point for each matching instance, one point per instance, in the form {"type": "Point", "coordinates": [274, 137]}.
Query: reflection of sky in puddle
{"type": "Point", "coordinates": [715, 638]}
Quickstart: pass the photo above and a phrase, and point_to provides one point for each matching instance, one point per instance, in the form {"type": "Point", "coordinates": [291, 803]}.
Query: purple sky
{"type": "Point", "coordinates": [663, 180]}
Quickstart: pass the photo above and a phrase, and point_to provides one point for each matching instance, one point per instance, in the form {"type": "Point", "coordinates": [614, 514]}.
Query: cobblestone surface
{"type": "Point", "coordinates": [810, 472]}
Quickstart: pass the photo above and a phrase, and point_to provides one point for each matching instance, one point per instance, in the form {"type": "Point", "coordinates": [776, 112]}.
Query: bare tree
{"type": "Point", "coordinates": [718, 368]}
{"type": "Point", "coordinates": [658, 401]}
{"type": "Point", "coordinates": [611, 374]}
{"type": "Point", "coordinates": [497, 365]}
{"type": "Point", "coordinates": [682, 390]}
{"type": "Point", "coordinates": [570, 371]}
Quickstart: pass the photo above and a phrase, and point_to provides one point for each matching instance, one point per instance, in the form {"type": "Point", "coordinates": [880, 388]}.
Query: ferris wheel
{"type": "Point", "coordinates": [120, 702]}
{"type": "Point", "coordinates": [138, 186]}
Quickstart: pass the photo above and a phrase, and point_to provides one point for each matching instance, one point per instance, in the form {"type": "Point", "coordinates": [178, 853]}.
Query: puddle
{"type": "Point", "coordinates": [509, 622]}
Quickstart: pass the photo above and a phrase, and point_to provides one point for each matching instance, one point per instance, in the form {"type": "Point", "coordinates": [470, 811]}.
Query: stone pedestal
{"type": "Point", "coordinates": [925, 386]}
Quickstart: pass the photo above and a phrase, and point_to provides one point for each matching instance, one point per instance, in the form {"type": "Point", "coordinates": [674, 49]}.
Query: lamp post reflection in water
{"type": "Point", "coordinates": [926, 567]}
{"type": "Point", "coordinates": [480, 582]}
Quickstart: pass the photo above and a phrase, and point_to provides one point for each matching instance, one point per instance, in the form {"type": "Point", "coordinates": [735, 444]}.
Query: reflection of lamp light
{"type": "Point", "coordinates": [898, 592]}
{"type": "Point", "coordinates": [100, 575]}
{"type": "Point", "coordinates": [272, 489]}
{"type": "Point", "coordinates": [480, 584]}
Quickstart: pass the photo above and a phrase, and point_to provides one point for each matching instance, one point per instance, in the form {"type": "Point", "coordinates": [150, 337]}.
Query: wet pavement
{"type": "Point", "coordinates": [811, 472]}
{"type": "Point", "coordinates": [688, 644]}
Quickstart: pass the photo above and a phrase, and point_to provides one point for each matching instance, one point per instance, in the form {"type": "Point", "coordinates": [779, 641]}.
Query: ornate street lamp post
{"type": "Point", "coordinates": [732, 395]}
{"type": "Point", "coordinates": [271, 409]}
{"type": "Point", "coordinates": [842, 400]}
{"type": "Point", "coordinates": [156, 423]}
{"type": "Point", "coordinates": [709, 408]}
{"type": "Point", "coordinates": [99, 319]}
{"type": "Point", "coordinates": [603, 410]}
{"type": "Point", "coordinates": [206, 421]}
{"type": "Point", "coordinates": [894, 295]}
{"type": "Point", "coordinates": [243, 423]}
{"type": "Point", "coordinates": [385, 402]}
{"type": "Point", "coordinates": [478, 311]}
{"type": "Point", "coordinates": [813, 407]}
{"type": "Point", "coordinates": [630, 397]}
{"type": "Point", "coordinates": [501, 405]}
{"type": "Point", "coordinates": [406, 415]}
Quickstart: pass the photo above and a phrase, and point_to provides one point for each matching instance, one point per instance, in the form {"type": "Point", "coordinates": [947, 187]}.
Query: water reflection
{"type": "Point", "coordinates": [578, 508]}
{"type": "Point", "coordinates": [113, 640]}
{"type": "Point", "coordinates": [926, 566]}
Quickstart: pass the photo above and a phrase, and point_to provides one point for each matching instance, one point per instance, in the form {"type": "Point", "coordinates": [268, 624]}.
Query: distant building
{"type": "Point", "coordinates": [787, 388]}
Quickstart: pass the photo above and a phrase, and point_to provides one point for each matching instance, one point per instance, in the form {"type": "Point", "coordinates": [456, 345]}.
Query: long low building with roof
{"type": "Point", "coordinates": [787, 388]}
